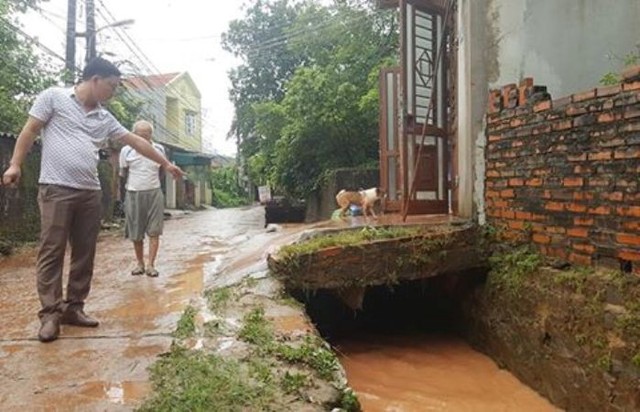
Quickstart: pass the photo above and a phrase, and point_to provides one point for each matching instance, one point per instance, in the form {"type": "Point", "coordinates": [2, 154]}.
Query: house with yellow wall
{"type": "Point", "coordinates": [172, 103]}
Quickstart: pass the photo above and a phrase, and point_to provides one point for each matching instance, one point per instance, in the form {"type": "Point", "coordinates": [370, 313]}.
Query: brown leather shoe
{"type": "Point", "coordinates": [78, 318]}
{"type": "Point", "coordinates": [49, 330]}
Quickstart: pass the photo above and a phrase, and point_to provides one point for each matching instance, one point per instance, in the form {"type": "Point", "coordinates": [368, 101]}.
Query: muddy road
{"type": "Point", "coordinates": [105, 368]}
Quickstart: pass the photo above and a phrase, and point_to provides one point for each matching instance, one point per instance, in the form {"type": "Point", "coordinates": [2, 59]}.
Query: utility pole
{"type": "Point", "coordinates": [90, 34]}
{"type": "Point", "coordinates": [70, 55]}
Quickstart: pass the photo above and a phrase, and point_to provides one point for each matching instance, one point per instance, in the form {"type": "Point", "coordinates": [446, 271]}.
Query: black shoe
{"type": "Point", "coordinates": [49, 330]}
{"type": "Point", "coordinates": [78, 318]}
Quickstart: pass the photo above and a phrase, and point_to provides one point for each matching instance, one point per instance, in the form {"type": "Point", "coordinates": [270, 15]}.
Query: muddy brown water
{"type": "Point", "coordinates": [431, 373]}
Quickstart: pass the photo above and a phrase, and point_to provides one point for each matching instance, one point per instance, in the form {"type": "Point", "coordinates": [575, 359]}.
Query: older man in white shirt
{"type": "Point", "coordinates": [144, 201]}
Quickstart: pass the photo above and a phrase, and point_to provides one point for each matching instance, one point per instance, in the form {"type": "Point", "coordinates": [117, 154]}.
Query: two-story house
{"type": "Point", "coordinates": [172, 103]}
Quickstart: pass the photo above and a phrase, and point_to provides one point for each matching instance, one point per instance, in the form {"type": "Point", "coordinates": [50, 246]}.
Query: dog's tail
{"type": "Point", "coordinates": [341, 192]}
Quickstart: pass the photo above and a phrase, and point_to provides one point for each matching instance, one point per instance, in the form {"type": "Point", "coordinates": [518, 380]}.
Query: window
{"type": "Point", "coordinates": [190, 123]}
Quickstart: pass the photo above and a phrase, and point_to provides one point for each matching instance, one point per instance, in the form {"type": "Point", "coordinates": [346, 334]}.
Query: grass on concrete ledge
{"type": "Point", "coordinates": [346, 238]}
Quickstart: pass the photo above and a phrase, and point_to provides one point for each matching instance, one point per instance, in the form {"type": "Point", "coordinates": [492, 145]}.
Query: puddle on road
{"type": "Point", "coordinates": [150, 304]}
{"type": "Point", "coordinates": [118, 393]}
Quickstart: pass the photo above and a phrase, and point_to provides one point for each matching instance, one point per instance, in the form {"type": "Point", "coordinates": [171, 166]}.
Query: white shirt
{"type": "Point", "coordinates": [143, 172]}
{"type": "Point", "coordinates": [71, 138]}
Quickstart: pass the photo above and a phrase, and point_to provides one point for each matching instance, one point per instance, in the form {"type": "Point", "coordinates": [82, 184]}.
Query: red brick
{"type": "Point", "coordinates": [630, 153]}
{"type": "Point", "coordinates": [542, 239]}
{"type": "Point", "coordinates": [631, 86]}
{"type": "Point", "coordinates": [516, 224]}
{"type": "Point", "coordinates": [546, 194]}
{"type": "Point", "coordinates": [583, 221]}
{"type": "Point", "coordinates": [535, 182]}
{"type": "Point", "coordinates": [600, 156]}
{"type": "Point", "coordinates": [576, 208]}
{"type": "Point", "coordinates": [630, 73]}
{"type": "Point", "coordinates": [542, 106]}
{"type": "Point", "coordinates": [573, 182]}
{"type": "Point", "coordinates": [494, 213]}
{"type": "Point", "coordinates": [630, 127]}
{"type": "Point", "coordinates": [631, 112]}
{"type": "Point", "coordinates": [633, 211]}
{"type": "Point", "coordinates": [608, 117]}
{"type": "Point", "coordinates": [509, 100]}
{"type": "Point", "coordinates": [493, 173]}
{"type": "Point", "coordinates": [507, 193]}
{"type": "Point", "coordinates": [523, 215]}
{"type": "Point", "coordinates": [574, 110]}
{"type": "Point", "coordinates": [492, 193]}
{"type": "Point", "coordinates": [495, 137]}
{"type": "Point", "coordinates": [556, 230]}
{"type": "Point", "coordinates": [562, 125]}
{"type": "Point", "coordinates": [628, 239]}
{"type": "Point", "coordinates": [613, 197]}
{"type": "Point", "coordinates": [517, 122]}
{"type": "Point", "coordinates": [581, 169]}
{"type": "Point", "coordinates": [508, 214]}
{"type": "Point", "coordinates": [600, 210]}
{"type": "Point", "coordinates": [494, 104]}
{"type": "Point", "coordinates": [580, 259]}
{"type": "Point", "coordinates": [578, 232]}
{"type": "Point", "coordinates": [516, 182]}
{"type": "Point", "coordinates": [633, 226]}
{"type": "Point", "coordinates": [583, 196]}
{"type": "Point", "coordinates": [631, 255]}
{"type": "Point", "coordinates": [556, 252]}
{"type": "Point", "coordinates": [554, 206]}
{"type": "Point", "coordinates": [538, 218]}
{"type": "Point", "coordinates": [586, 248]}
{"type": "Point", "coordinates": [517, 143]}
{"type": "Point", "coordinates": [579, 97]}
{"type": "Point", "coordinates": [598, 182]}
{"type": "Point", "coordinates": [577, 158]}
{"type": "Point", "coordinates": [608, 90]}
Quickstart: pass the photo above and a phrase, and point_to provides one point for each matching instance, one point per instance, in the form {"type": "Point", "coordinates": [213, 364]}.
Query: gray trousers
{"type": "Point", "coordinates": [67, 215]}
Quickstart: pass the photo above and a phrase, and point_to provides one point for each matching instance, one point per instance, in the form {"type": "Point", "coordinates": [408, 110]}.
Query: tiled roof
{"type": "Point", "coordinates": [149, 82]}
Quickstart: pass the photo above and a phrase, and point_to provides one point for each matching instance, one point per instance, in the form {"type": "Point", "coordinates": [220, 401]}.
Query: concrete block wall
{"type": "Point", "coordinates": [564, 173]}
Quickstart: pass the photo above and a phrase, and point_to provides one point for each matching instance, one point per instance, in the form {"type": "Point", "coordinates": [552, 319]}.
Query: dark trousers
{"type": "Point", "coordinates": [67, 215]}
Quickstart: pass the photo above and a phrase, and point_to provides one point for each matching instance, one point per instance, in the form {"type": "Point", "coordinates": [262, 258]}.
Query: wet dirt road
{"type": "Point", "coordinates": [105, 368]}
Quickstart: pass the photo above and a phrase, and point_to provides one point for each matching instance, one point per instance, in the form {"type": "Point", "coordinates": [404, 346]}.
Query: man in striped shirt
{"type": "Point", "coordinates": [73, 126]}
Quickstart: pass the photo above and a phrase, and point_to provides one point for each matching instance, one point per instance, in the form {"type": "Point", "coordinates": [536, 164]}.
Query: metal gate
{"type": "Point", "coordinates": [416, 110]}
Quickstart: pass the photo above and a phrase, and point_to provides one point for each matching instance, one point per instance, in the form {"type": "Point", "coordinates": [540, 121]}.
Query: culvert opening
{"type": "Point", "coordinates": [406, 348]}
{"type": "Point", "coordinates": [425, 306]}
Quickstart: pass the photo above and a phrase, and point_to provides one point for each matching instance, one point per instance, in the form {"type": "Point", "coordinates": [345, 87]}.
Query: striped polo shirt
{"type": "Point", "coordinates": [71, 138]}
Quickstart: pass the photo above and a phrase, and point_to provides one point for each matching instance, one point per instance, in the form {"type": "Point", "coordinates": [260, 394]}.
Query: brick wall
{"type": "Point", "coordinates": [564, 173]}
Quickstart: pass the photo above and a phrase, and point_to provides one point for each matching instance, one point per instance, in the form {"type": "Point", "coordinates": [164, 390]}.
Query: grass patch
{"type": "Point", "coordinates": [256, 330]}
{"type": "Point", "coordinates": [292, 383]}
{"type": "Point", "coordinates": [187, 324]}
{"type": "Point", "coordinates": [346, 238]}
{"type": "Point", "coordinates": [193, 381]}
{"type": "Point", "coordinates": [312, 353]}
{"type": "Point", "coordinates": [510, 269]}
{"type": "Point", "coordinates": [218, 298]}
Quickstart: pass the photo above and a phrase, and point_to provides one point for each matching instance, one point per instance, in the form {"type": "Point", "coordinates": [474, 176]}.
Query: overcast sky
{"type": "Point", "coordinates": [175, 35]}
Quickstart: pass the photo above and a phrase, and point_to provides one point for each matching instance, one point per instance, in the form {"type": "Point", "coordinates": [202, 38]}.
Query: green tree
{"type": "Point", "coordinates": [325, 115]}
{"type": "Point", "coordinates": [23, 73]}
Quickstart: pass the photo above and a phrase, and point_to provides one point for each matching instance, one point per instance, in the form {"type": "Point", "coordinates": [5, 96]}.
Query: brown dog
{"type": "Point", "coordinates": [364, 199]}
